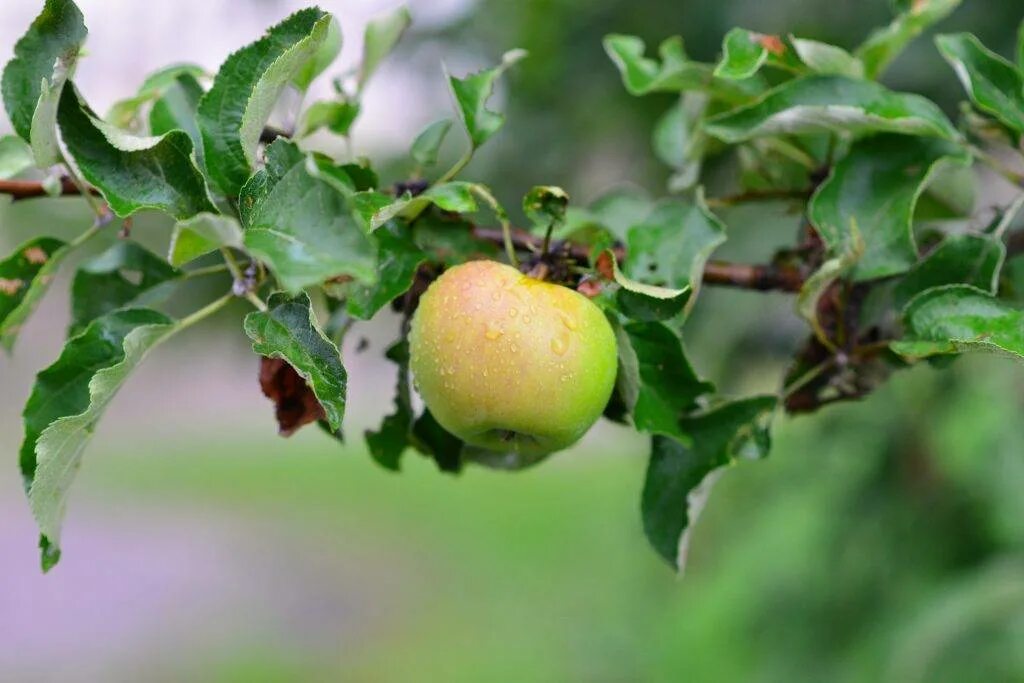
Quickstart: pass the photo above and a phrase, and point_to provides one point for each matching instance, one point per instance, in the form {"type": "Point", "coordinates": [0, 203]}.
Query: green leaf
{"type": "Point", "coordinates": [744, 52]}
{"type": "Point", "coordinates": [201, 234]}
{"type": "Point", "coordinates": [322, 58]}
{"type": "Point", "coordinates": [124, 113]}
{"type": "Point", "coordinates": [642, 75]}
{"type": "Point", "coordinates": [25, 276]}
{"type": "Point", "coordinates": [616, 211]}
{"type": "Point", "coordinates": [368, 203]}
{"type": "Point", "coordinates": [679, 140]}
{"type": "Point", "coordinates": [773, 163]}
{"type": "Point", "coordinates": [471, 94]}
{"type": "Point", "coordinates": [959, 259]}
{"type": "Point", "coordinates": [670, 247]}
{"type": "Point", "coordinates": [656, 381]}
{"type": "Point", "coordinates": [389, 442]}
{"type": "Point", "coordinates": [44, 58]}
{"type": "Point", "coordinates": [15, 156]}
{"type": "Point", "coordinates": [994, 85]}
{"type": "Point", "coordinates": [742, 55]}
{"type": "Point", "coordinates": [427, 144]}
{"type": "Point", "coordinates": [303, 227]}
{"type": "Point", "coordinates": [450, 240]}
{"type": "Point", "coordinates": [545, 205]}
{"type": "Point", "coordinates": [959, 318]}
{"type": "Point", "coordinates": [455, 196]}
{"type": "Point", "coordinates": [951, 193]}
{"type": "Point", "coordinates": [674, 72]}
{"type": "Point", "coordinates": [176, 110]}
{"type": "Point", "coordinates": [823, 58]}
{"type": "Point", "coordinates": [831, 103]}
{"type": "Point", "coordinates": [640, 301]}
{"type": "Point", "coordinates": [133, 173]}
{"type": "Point", "coordinates": [447, 450]}
{"type": "Point", "coordinates": [126, 274]}
{"type": "Point", "coordinates": [337, 117]}
{"type": "Point", "coordinates": [68, 400]}
{"type": "Point", "coordinates": [232, 114]}
{"type": "Point", "coordinates": [876, 186]}
{"type": "Point", "coordinates": [379, 39]}
{"type": "Point", "coordinates": [398, 258]}
{"type": "Point", "coordinates": [323, 168]}
{"type": "Point", "coordinates": [362, 175]}
{"type": "Point", "coordinates": [678, 468]}
{"type": "Point", "coordinates": [885, 44]}
{"type": "Point", "coordinates": [288, 330]}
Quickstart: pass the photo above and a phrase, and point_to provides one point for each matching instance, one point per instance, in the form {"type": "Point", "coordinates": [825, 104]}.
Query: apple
{"type": "Point", "coordinates": [511, 363]}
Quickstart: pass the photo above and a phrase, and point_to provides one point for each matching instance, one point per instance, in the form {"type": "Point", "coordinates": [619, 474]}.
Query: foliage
{"type": "Point", "coordinates": [889, 269]}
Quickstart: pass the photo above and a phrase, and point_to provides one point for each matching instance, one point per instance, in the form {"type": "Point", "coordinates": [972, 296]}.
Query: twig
{"type": "Point", "coordinates": [240, 280]}
{"type": "Point", "coordinates": [207, 270]}
{"type": "Point", "coordinates": [29, 189]}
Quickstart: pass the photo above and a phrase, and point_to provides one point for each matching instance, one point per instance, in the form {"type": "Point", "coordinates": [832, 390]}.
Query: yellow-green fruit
{"type": "Point", "coordinates": [511, 363]}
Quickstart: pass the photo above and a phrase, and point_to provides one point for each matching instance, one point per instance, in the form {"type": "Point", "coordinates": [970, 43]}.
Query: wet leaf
{"type": "Point", "coordinates": [288, 330]}
{"type": "Point", "coordinates": [44, 58]}
{"type": "Point", "coordinates": [126, 274]}
{"type": "Point", "coordinates": [876, 187]}
{"type": "Point", "coordinates": [679, 466]}
{"type": "Point", "coordinates": [133, 173]}
{"type": "Point", "coordinates": [960, 318]}
{"type": "Point", "coordinates": [25, 276]}
{"type": "Point", "coordinates": [471, 94]}
{"type": "Point", "coordinates": [67, 401]}
{"type": "Point", "coordinates": [832, 103]}
{"type": "Point", "coordinates": [232, 114]}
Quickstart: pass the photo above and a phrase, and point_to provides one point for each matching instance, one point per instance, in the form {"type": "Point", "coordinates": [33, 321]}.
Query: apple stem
{"type": "Point", "coordinates": [547, 238]}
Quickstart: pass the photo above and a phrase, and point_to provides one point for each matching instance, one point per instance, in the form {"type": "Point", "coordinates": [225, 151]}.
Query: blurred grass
{"type": "Point", "coordinates": [804, 567]}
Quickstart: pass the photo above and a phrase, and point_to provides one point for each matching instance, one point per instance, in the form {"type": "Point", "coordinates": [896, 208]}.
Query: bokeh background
{"type": "Point", "coordinates": [881, 541]}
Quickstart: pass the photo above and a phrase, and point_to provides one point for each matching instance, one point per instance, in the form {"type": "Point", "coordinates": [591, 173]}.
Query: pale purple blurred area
{"type": "Point", "coordinates": [129, 39]}
{"type": "Point", "coordinates": [145, 584]}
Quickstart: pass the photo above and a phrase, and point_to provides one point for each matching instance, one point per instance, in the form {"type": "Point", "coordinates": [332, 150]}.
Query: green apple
{"type": "Point", "coordinates": [511, 363]}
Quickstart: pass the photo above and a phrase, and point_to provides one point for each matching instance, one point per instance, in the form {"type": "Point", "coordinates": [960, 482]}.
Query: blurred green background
{"type": "Point", "coordinates": [882, 541]}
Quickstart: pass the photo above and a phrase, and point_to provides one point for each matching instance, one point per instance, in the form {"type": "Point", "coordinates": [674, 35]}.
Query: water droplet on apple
{"type": "Point", "coordinates": [559, 346]}
{"type": "Point", "coordinates": [512, 312]}
{"type": "Point", "coordinates": [514, 348]}
{"type": "Point", "coordinates": [568, 320]}
{"type": "Point", "coordinates": [493, 331]}
{"type": "Point", "coordinates": [526, 319]}
{"type": "Point", "coordinates": [564, 378]}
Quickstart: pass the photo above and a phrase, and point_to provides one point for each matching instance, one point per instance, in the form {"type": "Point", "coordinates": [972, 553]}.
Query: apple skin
{"type": "Point", "coordinates": [511, 363]}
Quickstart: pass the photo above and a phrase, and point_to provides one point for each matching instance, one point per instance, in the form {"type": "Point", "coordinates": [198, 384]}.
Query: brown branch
{"type": "Point", "coordinates": [759, 277]}
{"type": "Point", "coordinates": [29, 189]}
